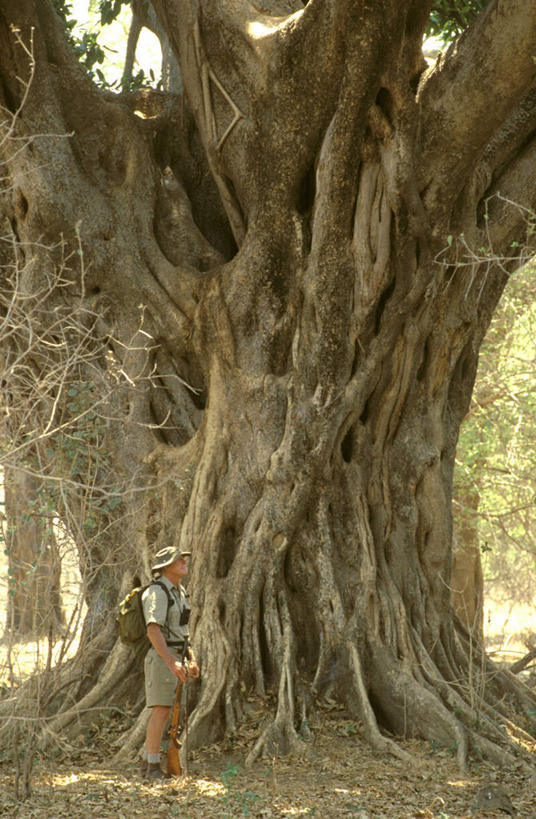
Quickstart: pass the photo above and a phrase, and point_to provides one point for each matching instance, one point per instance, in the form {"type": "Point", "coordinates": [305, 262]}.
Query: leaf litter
{"type": "Point", "coordinates": [335, 774]}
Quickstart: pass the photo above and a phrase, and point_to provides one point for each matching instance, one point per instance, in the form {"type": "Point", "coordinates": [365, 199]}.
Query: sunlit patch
{"type": "Point", "coordinates": [208, 788]}
{"type": "Point", "coordinates": [68, 779]}
{"type": "Point", "coordinates": [259, 30]}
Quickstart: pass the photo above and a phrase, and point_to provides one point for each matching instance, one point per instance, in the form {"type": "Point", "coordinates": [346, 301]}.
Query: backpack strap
{"type": "Point", "coordinates": [163, 586]}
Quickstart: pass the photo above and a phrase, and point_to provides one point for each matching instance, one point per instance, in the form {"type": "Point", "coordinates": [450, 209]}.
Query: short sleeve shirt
{"type": "Point", "coordinates": [166, 612]}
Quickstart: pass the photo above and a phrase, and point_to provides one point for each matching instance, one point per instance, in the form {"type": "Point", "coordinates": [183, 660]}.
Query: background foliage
{"type": "Point", "coordinates": [449, 17]}
{"type": "Point", "coordinates": [496, 452]}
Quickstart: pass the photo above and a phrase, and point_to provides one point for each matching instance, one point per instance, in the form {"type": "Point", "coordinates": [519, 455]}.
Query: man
{"type": "Point", "coordinates": [166, 612]}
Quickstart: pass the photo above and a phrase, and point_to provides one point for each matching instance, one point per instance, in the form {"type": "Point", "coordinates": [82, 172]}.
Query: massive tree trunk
{"type": "Point", "coordinates": [295, 265]}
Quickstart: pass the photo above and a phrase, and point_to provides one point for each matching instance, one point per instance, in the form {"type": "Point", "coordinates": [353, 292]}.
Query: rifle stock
{"type": "Point", "coordinates": [173, 760]}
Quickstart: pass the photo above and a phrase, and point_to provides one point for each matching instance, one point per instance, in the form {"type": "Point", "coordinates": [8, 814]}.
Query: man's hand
{"type": "Point", "coordinates": [193, 669]}
{"type": "Point", "coordinates": [178, 670]}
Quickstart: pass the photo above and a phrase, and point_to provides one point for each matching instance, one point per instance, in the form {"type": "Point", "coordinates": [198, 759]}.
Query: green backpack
{"type": "Point", "coordinates": [130, 620]}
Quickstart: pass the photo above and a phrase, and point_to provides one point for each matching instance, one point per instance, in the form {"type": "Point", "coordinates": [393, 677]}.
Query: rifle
{"type": "Point", "coordinates": [173, 760]}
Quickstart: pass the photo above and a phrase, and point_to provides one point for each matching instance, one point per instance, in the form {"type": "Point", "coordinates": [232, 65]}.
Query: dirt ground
{"type": "Point", "coordinates": [335, 775]}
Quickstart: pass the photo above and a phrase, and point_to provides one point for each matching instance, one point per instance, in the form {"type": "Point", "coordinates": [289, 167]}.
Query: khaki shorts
{"type": "Point", "coordinates": [160, 683]}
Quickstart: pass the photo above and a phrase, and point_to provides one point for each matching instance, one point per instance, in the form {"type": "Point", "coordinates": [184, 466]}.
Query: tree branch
{"type": "Point", "coordinates": [469, 93]}
{"type": "Point", "coordinates": [263, 93]}
{"type": "Point", "coordinates": [523, 662]}
{"type": "Point", "coordinates": [511, 208]}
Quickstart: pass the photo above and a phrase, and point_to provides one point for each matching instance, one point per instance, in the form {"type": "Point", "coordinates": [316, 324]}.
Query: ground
{"type": "Point", "coordinates": [337, 775]}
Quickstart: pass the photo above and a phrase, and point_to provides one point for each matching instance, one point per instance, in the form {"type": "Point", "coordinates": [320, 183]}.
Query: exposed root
{"type": "Point", "coordinates": [231, 704]}
{"type": "Point", "coordinates": [413, 708]}
{"type": "Point", "coordinates": [364, 708]}
{"type": "Point", "coordinates": [280, 736]}
{"type": "Point", "coordinates": [214, 646]}
{"type": "Point", "coordinates": [481, 720]}
{"type": "Point", "coordinates": [372, 732]}
{"type": "Point", "coordinates": [57, 685]}
{"type": "Point", "coordinates": [116, 667]}
{"type": "Point", "coordinates": [503, 680]}
{"type": "Point", "coordinates": [130, 741]}
{"type": "Point", "coordinates": [523, 662]}
{"type": "Point", "coordinates": [485, 748]}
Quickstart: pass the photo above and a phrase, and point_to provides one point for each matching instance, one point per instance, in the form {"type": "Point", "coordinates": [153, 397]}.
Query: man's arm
{"type": "Point", "coordinates": [154, 633]}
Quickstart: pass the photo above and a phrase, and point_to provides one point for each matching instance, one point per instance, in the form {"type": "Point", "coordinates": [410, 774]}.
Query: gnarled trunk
{"type": "Point", "coordinates": [286, 267]}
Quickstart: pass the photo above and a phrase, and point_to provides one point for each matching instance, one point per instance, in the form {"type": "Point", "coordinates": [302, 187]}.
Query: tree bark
{"type": "Point", "coordinates": [288, 264]}
{"type": "Point", "coordinates": [467, 582]}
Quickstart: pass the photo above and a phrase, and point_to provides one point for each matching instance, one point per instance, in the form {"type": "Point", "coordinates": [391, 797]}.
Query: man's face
{"type": "Point", "coordinates": [178, 569]}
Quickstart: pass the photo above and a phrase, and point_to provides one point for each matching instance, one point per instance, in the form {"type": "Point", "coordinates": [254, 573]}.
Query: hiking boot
{"type": "Point", "coordinates": [154, 772]}
{"type": "Point", "coordinates": [143, 767]}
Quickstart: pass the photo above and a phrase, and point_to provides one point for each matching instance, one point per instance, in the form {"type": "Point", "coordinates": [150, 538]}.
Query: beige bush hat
{"type": "Point", "coordinates": [166, 556]}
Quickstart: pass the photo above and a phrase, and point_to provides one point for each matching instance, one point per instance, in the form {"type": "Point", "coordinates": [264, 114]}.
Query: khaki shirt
{"type": "Point", "coordinates": [156, 609]}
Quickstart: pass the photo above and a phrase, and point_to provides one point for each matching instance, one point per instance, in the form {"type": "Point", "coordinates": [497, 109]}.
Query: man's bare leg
{"type": "Point", "coordinates": [153, 740]}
